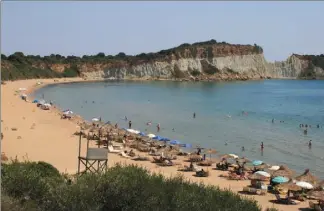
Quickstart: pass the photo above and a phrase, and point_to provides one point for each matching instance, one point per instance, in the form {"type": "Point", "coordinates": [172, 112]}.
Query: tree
{"type": "Point", "coordinates": [101, 55]}
{"type": "Point", "coordinates": [121, 55]}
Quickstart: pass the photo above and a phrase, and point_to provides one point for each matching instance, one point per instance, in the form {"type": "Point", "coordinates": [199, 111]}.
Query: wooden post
{"type": "Point", "coordinates": [79, 152]}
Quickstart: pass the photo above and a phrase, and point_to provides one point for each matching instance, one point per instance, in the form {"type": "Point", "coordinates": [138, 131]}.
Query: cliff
{"type": "Point", "coordinates": [209, 60]}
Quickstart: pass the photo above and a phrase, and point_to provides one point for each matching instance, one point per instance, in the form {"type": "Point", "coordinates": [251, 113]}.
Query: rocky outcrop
{"type": "Point", "coordinates": [199, 61]}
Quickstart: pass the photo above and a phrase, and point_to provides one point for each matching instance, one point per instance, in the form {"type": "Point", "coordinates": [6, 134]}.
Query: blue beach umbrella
{"type": "Point", "coordinates": [35, 101]}
{"type": "Point", "coordinates": [186, 145]}
{"type": "Point", "coordinates": [257, 162]}
{"type": "Point", "coordinates": [174, 142]}
{"type": "Point", "coordinates": [280, 179]}
{"type": "Point", "coordinates": [142, 134]}
{"type": "Point", "coordinates": [164, 139]}
{"type": "Point", "coordinates": [159, 138]}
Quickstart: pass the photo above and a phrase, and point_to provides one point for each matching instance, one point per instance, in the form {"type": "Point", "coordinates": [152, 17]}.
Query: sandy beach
{"type": "Point", "coordinates": [43, 136]}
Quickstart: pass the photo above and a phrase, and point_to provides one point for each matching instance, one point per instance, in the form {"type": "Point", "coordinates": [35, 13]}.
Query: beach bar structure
{"type": "Point", "coordinates": [95, 160]}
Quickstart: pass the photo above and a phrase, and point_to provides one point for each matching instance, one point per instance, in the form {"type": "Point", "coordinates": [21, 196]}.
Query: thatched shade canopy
{"type": "Point", "coordinates": [307, 177]}
{"type": "Point", "coordinates": [289, 186]}
{"type": "Point", "coordinates": [283, 171]}
{"type": "Point", "coordinates": [258, 177]}
{"type": "Point", "coordinates": [319, 195]}
{"type": "Point", "coordinates": [210, 151]}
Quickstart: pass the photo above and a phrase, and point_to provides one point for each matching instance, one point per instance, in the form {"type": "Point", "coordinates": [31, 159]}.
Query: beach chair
{"type": "Point", "coordinates": [140, 158]}
{"type": "Point", "coordinates": [286, 200]}
{"type": "Point", "coordinates": [112, 150]}
{"type": "Point", "coordinates": [123, 154]}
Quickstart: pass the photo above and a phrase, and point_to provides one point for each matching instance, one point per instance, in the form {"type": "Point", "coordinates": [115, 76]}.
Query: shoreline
{"type": "Point", "coordinates": [52, 137]}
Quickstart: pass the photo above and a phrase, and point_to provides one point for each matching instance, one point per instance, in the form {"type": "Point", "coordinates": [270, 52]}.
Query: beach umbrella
{"type": "Point", "coordinates": [142, 134]}
{"type": "Point", "coordinates": [233, 156]}
{"type": "Point", "coordinates": [42, 102]}
{"type": "Point", "coordinates": [68, 112]}
{"type": "Point", "coordinates": [35, 101]}
{"type": "Point", "coordinates": [257, 162]}
{"type": "Point", "coordinates": [186, 145]}
{"type": "Point", "coordinates": [280, 179]}
{"type": "Point", "coordinates": [289, 186]}
{"type": "Point", "coordinates": [22, 89]}
{"type": "Point", "coordinates": [318, 195]}
{"type": "Point", "coordinates": [95, 120]}
{"type": "Point", "coordinates": [305, 185]}
{"type": "Point", "coordinates": [274, 168]}
{"type": "Point", "coordinates": [159, 138]}
{"type": "Point", "coordinates": [283, 171]}
{"type": "Point", "coordinates": [151, 135]}
{"type": "Point", "coordinates": [175, 142]}
{"type": "Point", "coordinates": [307, 177]}
{"type": "Point", "coordinates": [263, 173]}
{"type": "Point", "coordinates": [47, 104]}
{"type": "Point", "coordinates": [258, 177]}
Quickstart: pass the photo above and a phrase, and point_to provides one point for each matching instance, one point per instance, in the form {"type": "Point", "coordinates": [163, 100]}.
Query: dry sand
{"type": "Point", "coordinates": [44, 136]}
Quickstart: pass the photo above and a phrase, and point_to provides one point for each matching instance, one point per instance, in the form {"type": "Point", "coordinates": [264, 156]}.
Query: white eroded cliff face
{"type": "Point", "coordinates": [252, 66]}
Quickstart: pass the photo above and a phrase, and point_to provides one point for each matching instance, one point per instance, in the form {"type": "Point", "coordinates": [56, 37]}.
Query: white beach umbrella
{"type": "Point", "coordinates": [68, 112]}
{"type": "Point", "coordinates": [274, 168]}
{"type": "Point", "coordinates": [47, 104]}
{"type": "Point", "coordinates": [151, 135]}
{"type": "Point", "coordinates": [22, 89]}
{"type": "Point", "coordinates": [95, 120]}
{"type": "Point", "coordinates": [305, 185]}
{"type": "Point", "coordinates": [263, 173]}
{"type": "Point", "coordinates": [133, 131]}
{"type": "Point", "coordinates": [24, 95]}
{"type": "Point", "coordinates": [233, 156]}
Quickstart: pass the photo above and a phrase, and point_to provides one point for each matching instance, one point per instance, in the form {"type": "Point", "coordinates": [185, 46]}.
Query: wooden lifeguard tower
{"type": "Point", "coordinates": [95, 160]}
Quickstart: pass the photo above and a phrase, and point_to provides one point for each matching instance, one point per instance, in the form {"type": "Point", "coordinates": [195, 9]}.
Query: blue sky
{"type": "Point", "coordinates": [78, 28]}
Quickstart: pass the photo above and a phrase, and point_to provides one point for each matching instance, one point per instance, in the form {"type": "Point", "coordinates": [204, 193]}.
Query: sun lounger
{"type": "Point", "coordinates": [202, 174]}
{"type": "Point", "coordinates": [254, 191]}
{"type": "Point", "coordinates": [112, 150]}
{"type": "Point", "coordinates": [123, 154]}
{"type": "Point", "coordinates": [285, 200]}
{"type": "Point", "coordinates": [140, 158]}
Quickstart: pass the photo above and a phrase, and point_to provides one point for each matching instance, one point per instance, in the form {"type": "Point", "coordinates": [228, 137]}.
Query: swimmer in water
{"type": "Point", "coordinates": [149, 123]}
{"type": "Point", "coordinates": [130, 124]}
{"type": "Point", "coordinates": [262, 146]}
{"type": "Point", "coordinates": [158, 127]}
{"type": "Point", "coordinates": [173, 129]}
{"type": "Point", "coordinates": [272, 120]}
{"type": "Point", "coordinates": [243, 149]}
{"type": "Point", "coordinates": [125, 118]}
{"type": "Point", "coordinates": [194, 115]}
{"type": "Point", "coordinates": [310, 143]}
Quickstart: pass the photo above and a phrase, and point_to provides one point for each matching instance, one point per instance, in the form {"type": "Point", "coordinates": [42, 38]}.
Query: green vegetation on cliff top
{"type": "Point", "coordinates": [19, 66]}
{"type": "Point", "coordinates": [38, 186]}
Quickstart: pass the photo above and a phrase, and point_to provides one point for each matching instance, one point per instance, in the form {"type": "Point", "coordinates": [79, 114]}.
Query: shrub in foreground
{"type": "Point", "coordinates": [120, 188]}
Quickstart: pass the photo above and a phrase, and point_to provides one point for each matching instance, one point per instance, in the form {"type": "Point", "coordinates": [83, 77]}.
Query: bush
{"type": "Point", "coordinates": [120, 188]}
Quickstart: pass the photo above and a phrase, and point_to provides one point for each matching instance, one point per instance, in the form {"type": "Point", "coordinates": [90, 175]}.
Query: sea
{"type": "Point", "coordinates": [229, 115]}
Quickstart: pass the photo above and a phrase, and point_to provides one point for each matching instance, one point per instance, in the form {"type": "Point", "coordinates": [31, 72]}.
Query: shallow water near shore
{"type": "Point", "coordinates": [219, 118]}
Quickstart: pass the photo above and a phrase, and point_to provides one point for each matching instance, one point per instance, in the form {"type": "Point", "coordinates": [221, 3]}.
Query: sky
{"type": "Point", "coordinates": [88, 27]}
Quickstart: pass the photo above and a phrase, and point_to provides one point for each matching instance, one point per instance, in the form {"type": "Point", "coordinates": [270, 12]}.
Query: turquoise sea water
{"type": "Point", "coordinates": [172, 104]}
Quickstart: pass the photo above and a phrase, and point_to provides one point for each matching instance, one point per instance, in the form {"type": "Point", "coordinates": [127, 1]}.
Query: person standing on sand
{"type": "Point", "coordinates": [158, 127]}
{"type": "Point", "coordinates": [130, 124]}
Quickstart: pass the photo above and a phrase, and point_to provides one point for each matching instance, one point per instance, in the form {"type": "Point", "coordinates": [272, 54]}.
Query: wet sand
{"type": "Point", "coordinates": [44, 136]}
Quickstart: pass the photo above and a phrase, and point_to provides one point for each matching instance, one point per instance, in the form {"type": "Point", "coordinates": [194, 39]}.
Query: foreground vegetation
{"type": "Point", "coordinates": [39, 186]}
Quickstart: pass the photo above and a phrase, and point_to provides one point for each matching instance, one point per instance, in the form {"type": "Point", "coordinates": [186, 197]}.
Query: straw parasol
{"type": "Point", "coordinates": [319, 195]}
{"type": "Point", "coordinates": [289, 186]}
{"type": "Point", "coordinates": [283, 171]}
{"type": "Point", "coordinates": [307, 177]}
{"type": "Point", "coordinates": [258, 177]}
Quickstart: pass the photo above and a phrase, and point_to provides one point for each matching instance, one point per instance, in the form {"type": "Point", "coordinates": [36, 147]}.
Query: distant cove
{"type": "Point", "coordinates": [219, 119]}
